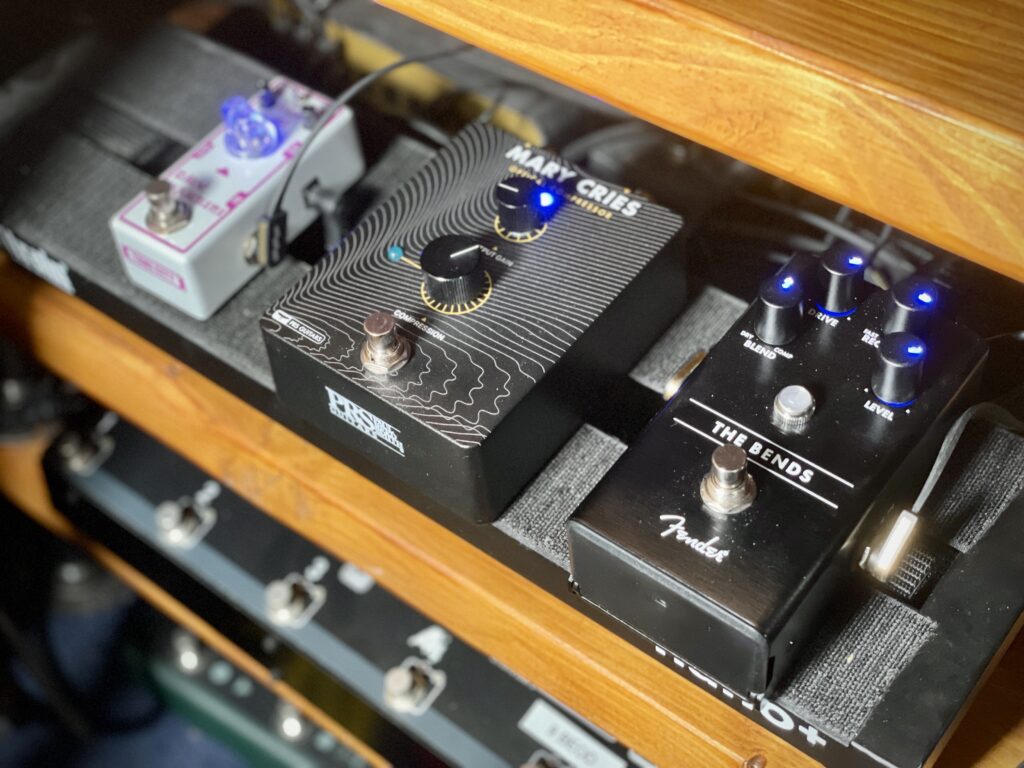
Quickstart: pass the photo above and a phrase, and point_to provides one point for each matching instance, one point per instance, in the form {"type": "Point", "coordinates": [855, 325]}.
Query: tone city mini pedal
{"type": "Point", "coordinates": [463, 330]}
{"type": "Point", "coordinates": [191, 238]}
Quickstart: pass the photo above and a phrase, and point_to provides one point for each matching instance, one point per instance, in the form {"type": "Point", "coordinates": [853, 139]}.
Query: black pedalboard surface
{"type": "Point", "coordinates": [511, 289]}
{"type": "Point", "coordinates": [818, 419]}
{"type": "Point", "coordinates": [885, 672]}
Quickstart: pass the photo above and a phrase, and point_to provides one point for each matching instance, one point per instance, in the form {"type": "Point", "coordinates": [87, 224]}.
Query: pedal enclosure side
{"type": "Point", "coordinates": [490, 395]}
{"type": "Point", "coordinates": [736, 595]}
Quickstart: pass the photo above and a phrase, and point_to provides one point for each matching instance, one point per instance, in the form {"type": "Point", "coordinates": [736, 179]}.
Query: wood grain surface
{"type": "Point", "coordinates": [647, 706]}
{"type": "Point", "coordinates": [911, 111]}
{"type": "Point", "coordinates": [22, 482]}
{"type": "Point", "coordinates": [622, 690]}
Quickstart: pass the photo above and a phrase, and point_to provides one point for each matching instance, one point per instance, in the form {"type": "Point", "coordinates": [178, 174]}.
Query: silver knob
{"type": "Point", "coordinates": [384, 350]}
{"type": "Point", "coordinates": [793, 408]}
{"type": "Point", "coordinates": [728, 488]}
{"type": "Point", "coordinates": [166, 214]}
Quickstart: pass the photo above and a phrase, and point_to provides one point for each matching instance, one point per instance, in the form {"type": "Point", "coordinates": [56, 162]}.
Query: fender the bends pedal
{"type": "Point", "coordinates": [724, 529]}
{"type": "Point", "coordinates": [192, 237]}
{"type": "Point", "coordinates": [465, 329]}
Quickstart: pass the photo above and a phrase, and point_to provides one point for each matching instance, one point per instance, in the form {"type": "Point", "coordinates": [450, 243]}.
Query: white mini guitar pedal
{"type": "Point", "coordinates": [190, 237]}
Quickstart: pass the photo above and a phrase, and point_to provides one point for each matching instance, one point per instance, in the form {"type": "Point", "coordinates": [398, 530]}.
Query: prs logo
{"type": "Point", "coordinates": [360, 418]}
{"type": "Point", "coordinates": [706, 548]}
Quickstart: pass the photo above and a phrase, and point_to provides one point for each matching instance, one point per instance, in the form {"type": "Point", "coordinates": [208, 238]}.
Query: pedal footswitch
{"type": "Point", "coordinates": [834, 419]}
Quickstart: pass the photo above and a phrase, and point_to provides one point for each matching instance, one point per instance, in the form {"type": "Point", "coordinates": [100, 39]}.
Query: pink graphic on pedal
{"type": "Point", "coordinates": [155, 268]}
{"type": "Point", "coordinates": [203, 149]}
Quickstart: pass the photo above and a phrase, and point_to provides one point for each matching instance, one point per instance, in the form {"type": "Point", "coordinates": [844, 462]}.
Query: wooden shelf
{"type": "Point", "coordinates": [22, 482]}
{"type": "Point", "coordinates": [910, 111]}
{"type": "Point", "coordinates": [620, 689]}
{"type": "Point", "coordinates": [589, 669]}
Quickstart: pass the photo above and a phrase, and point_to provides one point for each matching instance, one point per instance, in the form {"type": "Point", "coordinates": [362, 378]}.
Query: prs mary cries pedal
{"type": "Point", "coordinates": [464, 330]}
{"type": "Point", "coordinates": [723, 530]}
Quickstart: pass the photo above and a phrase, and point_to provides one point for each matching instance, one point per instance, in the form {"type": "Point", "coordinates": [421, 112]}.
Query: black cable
{"type": "Point", "coordinates": [343, 98]}
{"type": "Point", "coordinates": [887, 254]}
{"type": "Point", "coordinates": [989, 412]}
{"type": "Point", "coordinates": [880, 241]}
{"type": "Point", "coordinates": [1015, 335]}
{"type": "Point", "coordinates": [575, 151]}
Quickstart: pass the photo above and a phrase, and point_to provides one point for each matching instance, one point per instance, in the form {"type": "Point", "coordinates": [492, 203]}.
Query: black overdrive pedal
{"type": "Point", "coordinates": [468, 326]}
{"type": "Point", "coordinates": [721, 533]}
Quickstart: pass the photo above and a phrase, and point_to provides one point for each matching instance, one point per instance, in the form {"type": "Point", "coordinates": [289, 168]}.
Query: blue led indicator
{"type": "Point", "coordinates": [787, 282]}
{"type": "Point", "coordinates": [545, 199]}
{"type": "Point", "coordinates": [824, 311]}
{"type": "Point", "coordinates": [925, 297]}
{"type": "Point", "coordinates": [904, 404]}
{"type": "Point", "coordinates": [915, 350]}
{"type": "Point", "coordinates": [250, 133]}
{"type": "Point", "coordinates": [395, 253]}
{"type": "Point", "coordinates": [856, 260]}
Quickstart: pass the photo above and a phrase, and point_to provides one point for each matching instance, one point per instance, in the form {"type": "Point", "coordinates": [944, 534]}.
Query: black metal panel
{"type": "Point", "coordinates": [338, 659]}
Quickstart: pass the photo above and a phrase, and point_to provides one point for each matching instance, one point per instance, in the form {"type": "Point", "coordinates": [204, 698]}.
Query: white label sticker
{"type": "Point", "coordinates": [37, 261]}
{"type": "Point", "coordinates": [356, 579]}
{"type": "Point", "coordinates": [556, 732]}
{"type": "Point", "coordinates": [432, 643]}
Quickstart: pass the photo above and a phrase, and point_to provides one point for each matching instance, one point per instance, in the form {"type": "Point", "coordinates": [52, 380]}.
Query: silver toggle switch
{"type": "Point", "coordinates": [412, 686]}
{"type": "Point", "coordinates": [166, 214]}
{"type": "Point", "coordinates": [793, 408]}
{"type": "Point", "coordinates": [728, 488]}
{"type": "Point", "coordinates": [183, 523]}
{"type": "Point", "coordinates": [292, 601]}
{"type": "Point", "coordinates": [384, 350]}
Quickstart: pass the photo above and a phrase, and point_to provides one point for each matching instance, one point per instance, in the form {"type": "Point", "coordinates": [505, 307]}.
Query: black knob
{"type": "Point", "coordinates": [897, 376]}
{"type": "Point", "coordinates": [521, 208]}
{"type": "Point", "coordinates": [912, 305]}
{"type": "Point", "coordinates": [781, 309]}
{"type": "Point", "coordinates": [842, 275]}
{"type": "Point", "coordinates": [453, 269]}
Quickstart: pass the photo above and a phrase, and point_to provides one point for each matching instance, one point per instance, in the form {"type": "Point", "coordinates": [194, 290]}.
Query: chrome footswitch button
{"type": "Point", "coordinates": [384, 350]}
{"type": "Point", "coordinates": [412, 687]}
{"type": "Point", "coordinates": [728, 488]}
{"type": "Point", "coordinates": [292, 601]}
{"type": "Point", "coordinates": [165, 214]}
{"type": "Point", "coordinates": [184, 523]}
{"type": "Point", "coordinates": [793, 408]}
